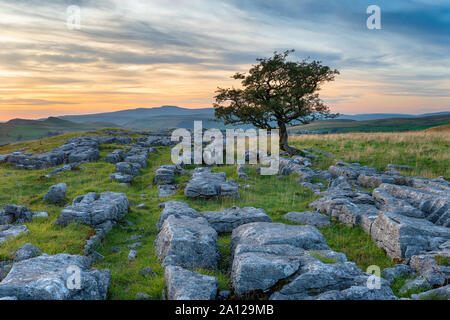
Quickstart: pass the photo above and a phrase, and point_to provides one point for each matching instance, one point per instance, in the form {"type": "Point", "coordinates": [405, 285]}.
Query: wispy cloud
{"type": "Point", "coordinates": [148, 53]}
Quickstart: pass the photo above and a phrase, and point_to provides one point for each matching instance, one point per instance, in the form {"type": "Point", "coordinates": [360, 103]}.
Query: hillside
{"type": "Point", "coordinates": [425, 153]}
{"type": "Point", "coordinates": [21, 130]}
{"type": "Point", "coordinates": [379, 125]}
{"type": "Point", "coordinates": [136, 118]}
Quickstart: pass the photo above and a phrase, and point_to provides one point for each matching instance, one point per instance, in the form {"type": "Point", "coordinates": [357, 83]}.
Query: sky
{"type": "Point", "coordinates": [148, 53]}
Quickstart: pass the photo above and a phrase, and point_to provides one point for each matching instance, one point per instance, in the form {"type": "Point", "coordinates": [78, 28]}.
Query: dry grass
{"type": "Point", "coordinates": [426, 152]}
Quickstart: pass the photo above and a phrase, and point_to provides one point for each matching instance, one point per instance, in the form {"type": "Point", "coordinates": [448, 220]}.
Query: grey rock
{"type": "Point", "coordinates": [207, 184]}
{"type": "Point", "coordinates": [135, 245]}
{"type": "Point", "coordinates": [26, 251]}
{"type": "Point", "coordinates": [400, 270]}
{"type": "Point", "coordinates": [442, 293]}
{"type": "Point", "coordinates": [94, 209]}
{"type": "Point", "coordinates": [417, 283]}
{"type": "Point", "coordinates": [48, 278]}
{"type": "Point", "coordinates": [229, 219]}
{"type": "Point", "coordinates": [142, 296]}
{"type": "Point", "coordinates": [401, 236]}
{"type": "Point", "coordinates": [187, 242]}
{"type": "Point", "coordinates": [147, 272]}
{"type": "Point", "coordinates": [166, 190]}
{"type": "Point", "coordinates": [40, 214]}
{"type": "Point", "coordinates": [132, 255]}
{"type": "Point", "coordinates": [310, 217]}
{"type": "Point", "coordinates": [15, 214]}
{"type": "Point", "coordinates": [56, 194]}
{"type": "Point", "coordinates": [176, 208]}
{"type": "Point", "coordinates": [11, 231]}
{"type": "Point", "coordinates": [264, 253]}
{"type": "Point", "coordinates": [184, 284]}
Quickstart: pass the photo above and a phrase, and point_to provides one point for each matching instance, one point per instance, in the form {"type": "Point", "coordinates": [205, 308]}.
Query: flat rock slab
{"type": "Point", "coordinates": [401, 236]}
{"type": "Point", "coordinates": [177, 209]}
{"type": "Point", "coordinates": [313, 218]}
{"type": "Point", "coordinates": [166, 190]}
{"type": "Point", "coordinates": [339, 281]}
{"type": "Point", "coordinates": [264, 253]}
{"type": "Point", "coordinates": [78, 149]}
{"type": "Point", "coordinates": [184, 284]}
{"type": "Point", "coordinates": [11, 231]}
{"type": "Point", "coordinates": [229, 219]}
{"type": "Point", "coordinates": [187, 242]}
{"type": "Point", "coordinates": [94, 209]}
{"type": "Point", "coordinates": [207, 184]}
{"type": "Point", "coordinates": [49, 278]}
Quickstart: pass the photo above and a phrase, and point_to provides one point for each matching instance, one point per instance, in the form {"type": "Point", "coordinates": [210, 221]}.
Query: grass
{"type": "Point", "coordinates": [276, 195]}
{"type": "Point", "coordinates": [400, 282]}
{"type": "Point", "coordinates": [357, 246]}
{"type": "Point", "coordinates": [442, 261]}
{"type": "Point", "coordinates": [426, 152]}
{"type": "Point", "coordinates": [378, 125]}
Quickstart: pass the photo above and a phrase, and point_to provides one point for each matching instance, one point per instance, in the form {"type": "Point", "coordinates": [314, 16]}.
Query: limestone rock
{"type": "Point", "coordinates": [183, 284]}
{"type": "Point", "coordinates": [51, 278]}
{"type": "Point", "coordinates": [229, 219]}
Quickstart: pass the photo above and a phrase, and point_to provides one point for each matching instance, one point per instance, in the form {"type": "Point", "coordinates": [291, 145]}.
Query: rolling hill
{"type": "Point", "coordinates": [21, 129]}
{"type": "Point", "coordinates": [379, 125]}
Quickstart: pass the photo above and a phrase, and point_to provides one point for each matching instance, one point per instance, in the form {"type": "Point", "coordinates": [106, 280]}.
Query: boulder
{"type": "Point", "coordinates": [56, 194]}
{"type": "Point", "coordinates": [207, 184]}
{"type": "Point", "coordinates": [11, 231]}
{"type": "Point", "coordinates": [229, 219]}
{"type": "Point", "coordinates": [310, 217]}
{"type": "Point", "coordinates": [187, 242]}
{"type": "Point", "coordinates": [166, 190]}
{"type": "Point", "coordinates": [15, 214]}
{"type": "Point", "coordinates": [442, 293]}
{"type": "Point", "coordinates": [27, 251]}
{"type": "Point", "coordinates": [184, 284]}
{"type": "Point", "coordinates": [55, 278]}
{"type": "Point", "coordinates": [400, 270]}
{"type": "Point", "coordinates": [402, 237]}
{"type": "Point", "coordinates": [314, 279]}
{"type": "Point", "coordinates": [165, 174]}
{"type": "Point", "coordinates": [264, 253]}
{"type": "Point", "coordinates": [177, 209]}
{"type": "Point", "coordinates": [95, 209]}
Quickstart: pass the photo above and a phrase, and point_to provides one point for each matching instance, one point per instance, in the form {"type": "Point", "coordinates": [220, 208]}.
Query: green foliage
{"type": "Point", "coordinates": [357, 246]}
{"type": "Point", "coordinates": [442, 261]}
{"type": "Point", "coordinates": [400, 282]}
{"type": "Point", "coordinates": [275, 93]}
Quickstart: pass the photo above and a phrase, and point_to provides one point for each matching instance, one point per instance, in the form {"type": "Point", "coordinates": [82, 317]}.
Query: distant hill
{"type": "Point", "coordinates": [136, 118]}
{"type": "Point", "coordinates": [376, 116]}
{"type": "Point", "coordinates": [21, 129]}
{"type": "Point", "coordinates": [379, 125]}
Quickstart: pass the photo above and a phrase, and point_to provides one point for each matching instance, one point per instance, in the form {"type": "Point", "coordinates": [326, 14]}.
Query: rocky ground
{"type": "Point", "coordinates": [223, 251]}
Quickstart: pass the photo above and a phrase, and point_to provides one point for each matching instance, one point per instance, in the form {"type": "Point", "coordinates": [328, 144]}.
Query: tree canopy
{"type": "Point", "coordinates": [276, 93]}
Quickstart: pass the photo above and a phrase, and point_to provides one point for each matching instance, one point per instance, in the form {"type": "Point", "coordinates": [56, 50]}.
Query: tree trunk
{"type": "Point", "coordinates": [284, 145]}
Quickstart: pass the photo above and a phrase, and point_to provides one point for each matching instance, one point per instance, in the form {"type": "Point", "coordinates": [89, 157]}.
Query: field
{"type": "Point", "coordinates": [379, 125]}
{"type": "Point", "coordinates": [427, 153]}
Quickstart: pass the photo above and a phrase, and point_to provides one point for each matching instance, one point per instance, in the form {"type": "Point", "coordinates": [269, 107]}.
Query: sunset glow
{"type": "Point", "coordinates": [132, 54]}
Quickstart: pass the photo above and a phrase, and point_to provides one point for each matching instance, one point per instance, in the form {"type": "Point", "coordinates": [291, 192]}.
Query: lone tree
{"type": "Point", "coordinates": [276, 93]}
